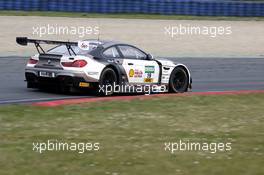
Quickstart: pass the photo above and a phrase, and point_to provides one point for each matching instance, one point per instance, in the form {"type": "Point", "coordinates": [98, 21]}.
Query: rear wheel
{"type": "Point", "coordinates": [107, 81]}
{"type": "Point", "coordinates": [178, 80]}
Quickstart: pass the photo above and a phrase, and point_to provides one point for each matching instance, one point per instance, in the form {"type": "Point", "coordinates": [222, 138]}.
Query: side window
{"type": "Point", "coordinates": [111, 53]}
{"type": "Point", "coordinates": [131, 52]}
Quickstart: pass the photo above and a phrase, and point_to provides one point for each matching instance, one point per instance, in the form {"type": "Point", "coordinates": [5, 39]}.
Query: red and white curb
{"type": "Point", "coordinates": [94, 99]}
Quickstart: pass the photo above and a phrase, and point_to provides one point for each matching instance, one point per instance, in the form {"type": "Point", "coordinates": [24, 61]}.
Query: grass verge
{"type": "Point", "coordinates": [132, 135]}
{"type": "Point", "coordinates": [125, 16]}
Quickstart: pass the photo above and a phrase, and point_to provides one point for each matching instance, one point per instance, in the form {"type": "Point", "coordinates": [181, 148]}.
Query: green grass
{"type": "Point", "coordinates": [132, 135]}
{"type": "Point", "coordinates": [126, 16]}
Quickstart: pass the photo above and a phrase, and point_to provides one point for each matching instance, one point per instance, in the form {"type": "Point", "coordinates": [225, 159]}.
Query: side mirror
{"type": "Point", "coordinates": [149, 57]}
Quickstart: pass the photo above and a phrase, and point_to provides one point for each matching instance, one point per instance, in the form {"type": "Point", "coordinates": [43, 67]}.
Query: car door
{"type": "Point", "coordinates": [138, 68]}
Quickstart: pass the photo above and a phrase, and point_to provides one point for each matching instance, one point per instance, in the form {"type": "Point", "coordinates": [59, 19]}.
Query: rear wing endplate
{"type": "Point", "coordinates": [24, 41]}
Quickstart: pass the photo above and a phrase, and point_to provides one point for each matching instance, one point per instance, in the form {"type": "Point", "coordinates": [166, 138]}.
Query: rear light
{"type": "Point", "coordinates": [32, 61]}
{"type": "Point", "coordinates": [76, 63]}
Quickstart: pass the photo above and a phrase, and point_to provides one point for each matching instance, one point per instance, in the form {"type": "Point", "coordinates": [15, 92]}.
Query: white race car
{"type": "Point", "coordinates": [103, 66]}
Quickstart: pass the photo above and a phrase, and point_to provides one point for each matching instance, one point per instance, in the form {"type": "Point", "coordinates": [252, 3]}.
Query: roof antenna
{"type": "Point", "coordinates": [98, 36]}
{"type": "Point", "coordinates": [99, 30]}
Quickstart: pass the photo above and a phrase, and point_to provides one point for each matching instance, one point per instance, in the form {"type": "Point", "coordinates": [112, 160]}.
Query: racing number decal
{"type": "Point", "coordinates": [149, 70]}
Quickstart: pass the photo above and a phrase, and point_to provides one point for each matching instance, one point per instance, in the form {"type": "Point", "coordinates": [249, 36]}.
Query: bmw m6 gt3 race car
{"type": "Point", "coordinates": [96, 64]}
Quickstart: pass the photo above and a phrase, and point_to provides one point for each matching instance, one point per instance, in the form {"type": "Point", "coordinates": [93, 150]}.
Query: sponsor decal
{"type": "Point", "coordinates": [135, 73]}
{"type": "Point", "coordinates": [131, 72]}
{"type": "Point", "coordinates": [138, 73]}
{"type": "Point", "coordinates": [149, 69]}
{"type": "Point", "coordinates": [84, 45]}
{"type": "Point", "coordinates": [84, 84]}
{"type": "Point", "coordinates": [148, 80]}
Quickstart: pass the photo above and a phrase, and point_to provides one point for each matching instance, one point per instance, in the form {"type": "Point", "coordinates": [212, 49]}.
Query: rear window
{"type": "Point", "coordinates": [62, 49]}
{"type": "Point", "coordinates": [111, 53]}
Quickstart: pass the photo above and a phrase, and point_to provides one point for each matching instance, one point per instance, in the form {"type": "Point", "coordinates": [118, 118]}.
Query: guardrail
{"type": "Point", "coordinates": [179, 7]}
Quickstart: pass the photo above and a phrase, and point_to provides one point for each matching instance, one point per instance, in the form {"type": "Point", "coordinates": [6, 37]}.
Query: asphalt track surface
{"type": "Point", "coordinates": [209, 74]}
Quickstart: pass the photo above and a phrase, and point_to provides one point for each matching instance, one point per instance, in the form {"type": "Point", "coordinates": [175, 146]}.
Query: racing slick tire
{"type": "Point", "coordinates": [179, 80]}
{"type": "Point", "coordinates": [107, 80]}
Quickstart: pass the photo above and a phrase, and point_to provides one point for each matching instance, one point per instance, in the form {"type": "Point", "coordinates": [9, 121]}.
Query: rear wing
{"type": "Point", "coordinates": [24, 41]}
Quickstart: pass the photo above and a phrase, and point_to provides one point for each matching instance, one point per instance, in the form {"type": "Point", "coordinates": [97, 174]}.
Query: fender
{"type": "Point", "coordinates": [118, 68]}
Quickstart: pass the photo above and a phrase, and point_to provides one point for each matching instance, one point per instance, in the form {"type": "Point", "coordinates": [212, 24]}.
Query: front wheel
{"type": "Point", "coordinates": [178, 80]}
{"type": "Point", "coordinates": [107, 82]}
